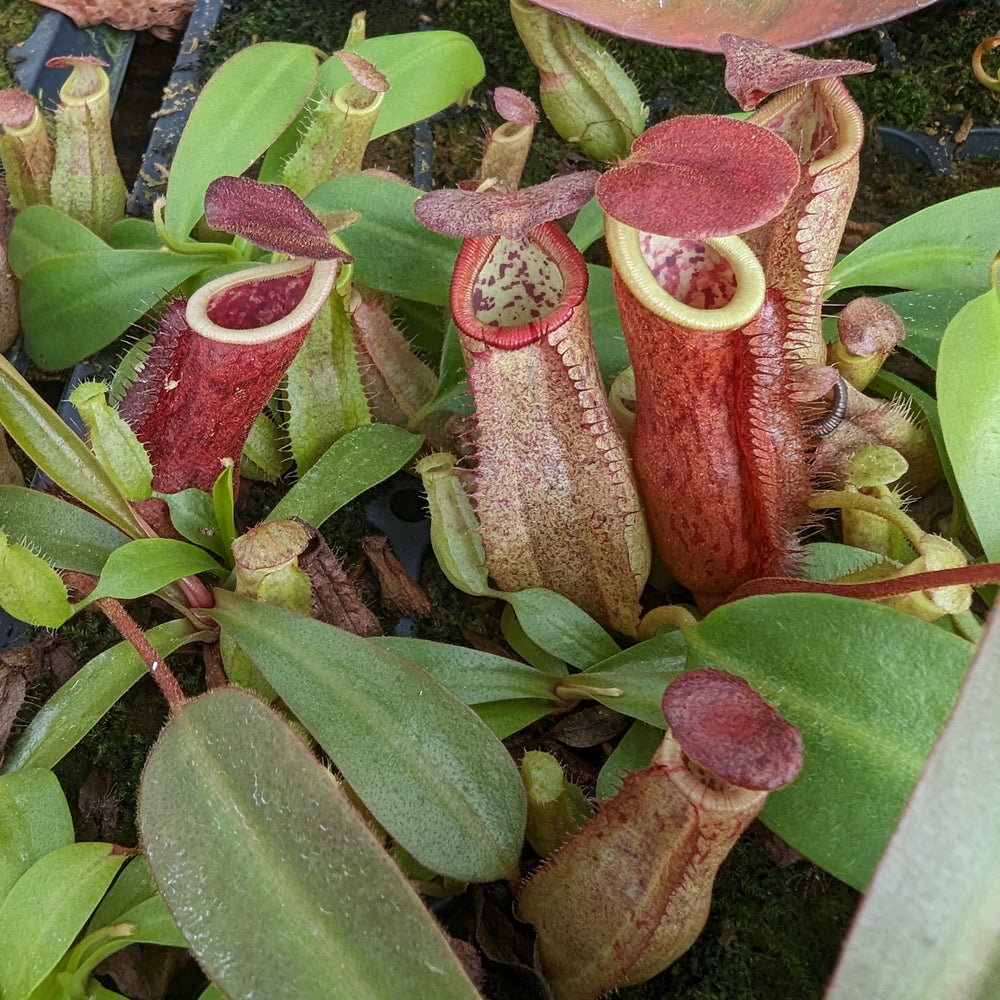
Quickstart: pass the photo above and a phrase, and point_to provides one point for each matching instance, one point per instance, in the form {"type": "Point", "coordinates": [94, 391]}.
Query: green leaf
{"type": "Point", "coordinates": [425, 765]}
{"type": "Point", "coordinates": [926, 314]}
{"type": "Point", "coordinates": [34, 819]}
{"type": "Point", "coordinates": [949, 245]}
{"type": "Point", "coordinates": [242, 109]}
{"type": "Point", "coordinates": [305, 904]}
{"type": "Point", "coordinates": [134, 899]}
{"type": "Point", "coordinates": [588, 226]}
{"type": "Point", "coordinates": [508, 717]}
{"type": "Point", "coordinates": [77, 706]}
{"type": "Point", "coordinates": [929, 925]}
{"type": "Point", "coordinates": [427, 71]}
{"type": "Point", "coordinates": [73, 306]}
{"type": "Point", "coordinates": [58, 452]}
{"type": "Point", "coordinates": [530, 652]}
{"type": "Point", "coordinates": [561, 628]}
{"type": "Point", "coordinates": [45, 910]}
{"type": "Point", "coordinates": [471, 674]}
{"type": "Point", "coordinates": [968, 398]}
{"type": "Point", "coordinates": [828, 560]}
{"type": "Point", "coordinates": [66, 535]}
{"type": "Point", "coordinates": [612, 354]}
{"type": "Point", "coordinates": [40, 232]}
{"type": "Point", "coordinates": [869, 688]}
{"type": "Point", "coordinates": [134, 234]}
{"type": "Point", "coordinates": [642, 672]}
{"type": "Point", "coordinates": [453, 381]}
{"type": "Point", "coordinates": [354, 463]}
{"type": "Point", "coordinates": [634, 752]}
{"type": "Point", "coordinates": [223, 508]}
{"type": "Point", "coordinates": [193, 515]}
{"type": "Point", "coordinates": [392, 250]}
{"type": "Point", "coordinates": [147, 564]}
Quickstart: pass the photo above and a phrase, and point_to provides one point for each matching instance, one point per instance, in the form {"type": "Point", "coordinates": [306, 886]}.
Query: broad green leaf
{"type": "Point", "coordinates": [242, 109]}
{"type": "Point", "coordinates": [557, 625]}
{"type": "Point", "coordinates": [425, 765]}
{"type": "Point", "coordinates": [427, 71]}
{"type": "Point", "coordinates": [392, 249]}
{"type": "Point", "coordinates": [968, 401]}
{"type": "Point", "coordinates": [869, 688]}
{"type": "Point", "coordinates": [69, 714]}
{"type": "Point", "coordinates": [58, 452]}
{"type": "Point", "coordinates": [147, 564]}
{"type": "Point", "coordinates": [46, 909]}
{"type": "Point", "coordinates": [40, 232]}
{"type": "Point", "coordinates": [34, 819]}
{"type": "Point", "coordinates": [529, 651]}
{"type": "Point", "coordinates": [73, 306]}
{"type": "Point", "coordinates": [508, 717]}
{"type": "Point", "coordinates": [305, 903]}
{"type": "Point", "coordinates": [471, 674]}
{"type": "Point", "coordinates": [949, 245]}
{"type": "Point", "coordinates": [642, 672]}
{"type": "Point", "coordinates": [926, 314]}
{"type": "Point", "coordinates": [634, 752]}
{"type": "Point", "coordinates": [134, 234]}
{"type": "Point", "coordinates": [355, 463]}
{"type": "Point", "coordinates": [929, 925]}
{"type": "Point", "coordinates": [66, 535]}
{"type": "Point", "coordinates": [134, 899]}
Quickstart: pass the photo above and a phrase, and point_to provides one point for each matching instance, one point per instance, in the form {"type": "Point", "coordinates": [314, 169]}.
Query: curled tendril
{"type": "Point", "coordinates": [987, 45]}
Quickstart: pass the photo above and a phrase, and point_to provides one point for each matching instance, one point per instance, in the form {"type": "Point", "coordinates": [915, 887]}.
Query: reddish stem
{"type": "Point", "coordinates": [876, 590]}
{"type": "Point", "coordinates": [131, 632]}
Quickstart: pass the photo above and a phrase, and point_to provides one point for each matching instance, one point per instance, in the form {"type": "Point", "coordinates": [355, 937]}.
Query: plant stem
{"type": "Point", "coordinates": [131, 631]}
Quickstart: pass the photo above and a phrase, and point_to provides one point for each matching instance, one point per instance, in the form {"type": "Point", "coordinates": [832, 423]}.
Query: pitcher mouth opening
{"type": "Point", "coordinates": [710, 285]}
{"type": "Point", "coordinates": [509, 292]}
{"type": "Point", "coordinates": [262, 304]}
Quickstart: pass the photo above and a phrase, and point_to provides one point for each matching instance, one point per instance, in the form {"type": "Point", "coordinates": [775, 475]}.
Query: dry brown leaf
{"type": "Point", "coordinates": [164, 18]}
{"type": "Point", "coordinates": [334, 599]}
{"type": "Point", "coordinates": [400, 595]}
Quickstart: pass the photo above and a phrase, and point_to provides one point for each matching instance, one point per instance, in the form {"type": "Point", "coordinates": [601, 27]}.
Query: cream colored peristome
{"type": "Point", "coordinates": [746, 303]}
{"type": "Point", "coordinates": [324, 275]}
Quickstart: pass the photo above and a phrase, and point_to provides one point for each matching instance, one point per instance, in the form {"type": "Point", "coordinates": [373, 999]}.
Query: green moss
{"type": "Point", "coordinates": [324, 25]}
{"type": "Point", "coordinates": [934, 83]}
{"type": "Point", "coordinates": [18, 22]}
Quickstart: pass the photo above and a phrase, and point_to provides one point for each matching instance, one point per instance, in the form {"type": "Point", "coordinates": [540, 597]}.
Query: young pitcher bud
{"type": "Point", "coordinates": [87, 183]}
{"type": "Point", "coordinates": [586, 95]}
{"type": "Point", "coordinates": [30, 589]}
{"type": "Point", "coordinates": [267, 570]}
{"type": "Point", "coordinates": [113, 442]}
{"type": "Point", "coordinates": [26, 151]}
{"type": "Point", "coordinates": [557, 808]}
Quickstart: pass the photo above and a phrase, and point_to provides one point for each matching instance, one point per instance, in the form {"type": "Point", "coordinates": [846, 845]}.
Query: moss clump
{"type": "Point", "coordinates": [324, 25]}
{"type": "Point", "coordinates": [932, 80]}
{"type": "Point", "coordinates": [18, 22]}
